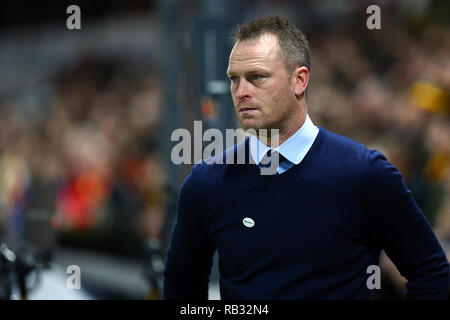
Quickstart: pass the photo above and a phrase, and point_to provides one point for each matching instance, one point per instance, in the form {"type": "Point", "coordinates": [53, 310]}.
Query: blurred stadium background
{"type": "Point", "coordinates": [86, 117]}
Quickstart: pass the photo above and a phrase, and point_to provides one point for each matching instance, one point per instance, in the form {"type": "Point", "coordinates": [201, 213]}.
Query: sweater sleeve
{"type": "Point", "coordinates": [190, 252]}
{"type": "Point", "coordinates": [399, 227]}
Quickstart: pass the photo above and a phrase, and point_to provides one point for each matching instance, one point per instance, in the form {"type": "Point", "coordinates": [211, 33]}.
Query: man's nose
{"type": "Point", "coordinates": [243, 89]}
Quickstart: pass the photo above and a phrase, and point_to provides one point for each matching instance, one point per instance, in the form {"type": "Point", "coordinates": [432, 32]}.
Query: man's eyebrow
{"type": "Point", "coordinates": [249, 72]}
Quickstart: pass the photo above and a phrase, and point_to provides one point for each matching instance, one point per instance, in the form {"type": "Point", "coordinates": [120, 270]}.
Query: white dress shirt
{"type": "Point", "coordinates": [293, 149]}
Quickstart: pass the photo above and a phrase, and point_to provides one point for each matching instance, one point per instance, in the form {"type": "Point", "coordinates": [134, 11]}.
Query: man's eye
{"type": "Point", "coordinates": [257, 77]}
{"type": "Point", "coordinates": [233, 79]}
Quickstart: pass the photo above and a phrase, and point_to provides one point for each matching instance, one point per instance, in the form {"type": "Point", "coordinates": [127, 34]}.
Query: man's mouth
{"type": "Point", "coordinates": [247, 109]}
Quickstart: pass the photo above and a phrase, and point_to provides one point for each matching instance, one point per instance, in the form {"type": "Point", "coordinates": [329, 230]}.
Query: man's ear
{"type": "Point", "coordinates": [301, 78]}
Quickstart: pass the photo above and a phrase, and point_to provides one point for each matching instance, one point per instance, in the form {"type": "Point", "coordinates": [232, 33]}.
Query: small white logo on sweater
{"type": "Point", "coordinates": [248, 222]}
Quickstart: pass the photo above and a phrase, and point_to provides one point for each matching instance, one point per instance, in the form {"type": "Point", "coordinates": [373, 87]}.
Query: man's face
{"type": "Point", "coordinates": [262, 90]}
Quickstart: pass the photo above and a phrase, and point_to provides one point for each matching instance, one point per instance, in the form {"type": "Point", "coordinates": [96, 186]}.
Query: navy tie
{"type": "Point", "coordinates": [266, 161]}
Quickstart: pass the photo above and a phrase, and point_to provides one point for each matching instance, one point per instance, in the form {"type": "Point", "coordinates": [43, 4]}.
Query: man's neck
{"type": "Point", "coordinates": [277, 140]}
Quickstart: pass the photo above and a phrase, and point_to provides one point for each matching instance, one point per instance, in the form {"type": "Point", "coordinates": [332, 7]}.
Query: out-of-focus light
{"type": "Point", "coordinates": [431, 97]}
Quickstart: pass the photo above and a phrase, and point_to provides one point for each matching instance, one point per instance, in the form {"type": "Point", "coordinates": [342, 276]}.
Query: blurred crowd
{"type": "Point", "coordinates": [391, 93]}
{"type": "Point", "coordinates": [90, 155]}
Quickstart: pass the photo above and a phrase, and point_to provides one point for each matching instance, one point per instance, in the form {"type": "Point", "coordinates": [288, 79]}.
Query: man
{"type": "Point", "coordinates": [312, 229]}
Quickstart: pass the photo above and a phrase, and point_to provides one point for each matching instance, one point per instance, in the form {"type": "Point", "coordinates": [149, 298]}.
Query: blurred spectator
{"type": "Point", "coordinates": [96, 149]}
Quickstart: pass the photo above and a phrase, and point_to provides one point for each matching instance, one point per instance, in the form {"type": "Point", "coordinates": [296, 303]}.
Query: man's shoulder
{"type": "Point", "coordinates": [344, 152]}
{"type": "Point", "coordinates": [214, 168]}
{"type": "Point", "coordinates": [344, 143]}
{"type": "Point", "coordinates": [347, 147]}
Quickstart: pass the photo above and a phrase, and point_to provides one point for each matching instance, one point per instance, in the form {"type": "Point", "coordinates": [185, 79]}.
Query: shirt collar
{"type": "Point", "coordinates": [293, 149]}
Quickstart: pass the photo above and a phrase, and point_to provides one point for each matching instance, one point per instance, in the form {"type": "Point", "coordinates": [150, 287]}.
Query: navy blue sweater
{"type": "Point", "coordinates": [317, 227]}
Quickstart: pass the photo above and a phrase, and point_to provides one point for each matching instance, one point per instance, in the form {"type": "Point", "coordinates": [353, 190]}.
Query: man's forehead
{"type": "Point", "coordinates": [265, 46]}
